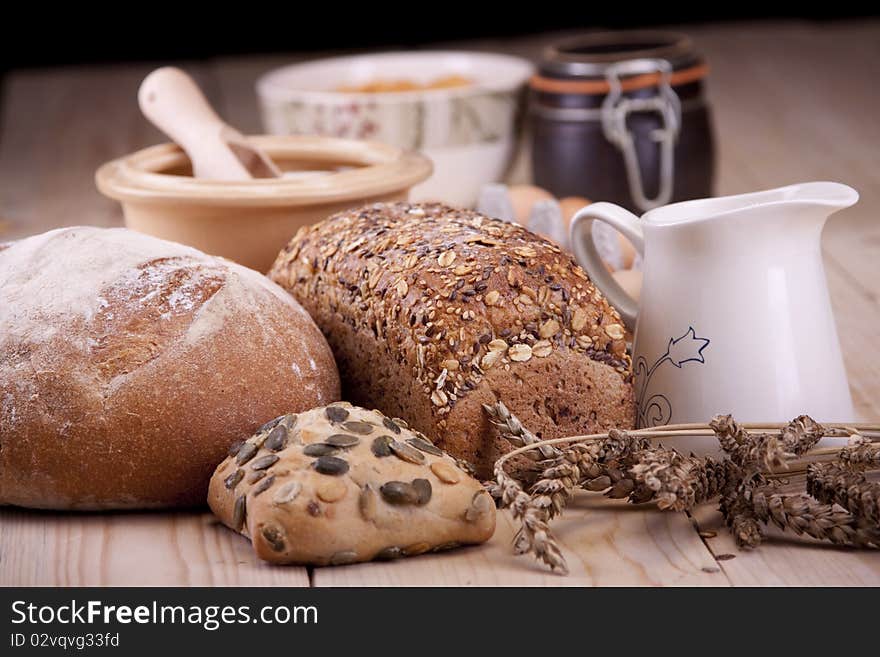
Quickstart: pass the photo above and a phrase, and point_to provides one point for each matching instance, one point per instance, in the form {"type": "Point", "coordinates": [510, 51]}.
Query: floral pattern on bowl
{"type": "Point", "coordinates": [469, 132]}
{"type": "Point", "coordinates": [415, 125]}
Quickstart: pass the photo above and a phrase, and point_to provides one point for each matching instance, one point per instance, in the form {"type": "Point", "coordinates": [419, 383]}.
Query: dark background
{"type": "Point", "coordinates": [45, 35]}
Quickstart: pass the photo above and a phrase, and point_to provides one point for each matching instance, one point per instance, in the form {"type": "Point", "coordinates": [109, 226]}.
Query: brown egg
{"type": "Point", "coordinates": [630, 280]}
{"type": "Point", "coordinates": [570, 205]}
{"type": "Point", "coordinates": [523, 197]}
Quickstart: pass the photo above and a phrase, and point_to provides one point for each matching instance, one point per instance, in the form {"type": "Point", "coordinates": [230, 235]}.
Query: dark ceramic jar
{"type": "Point", "coordinates": [622, 117]}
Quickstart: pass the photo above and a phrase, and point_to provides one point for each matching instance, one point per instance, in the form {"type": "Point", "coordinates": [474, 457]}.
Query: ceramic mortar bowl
{"type": "Point", "coordinates": [250, 221]}
{"type": "Point", "coordinates": [469, 131]}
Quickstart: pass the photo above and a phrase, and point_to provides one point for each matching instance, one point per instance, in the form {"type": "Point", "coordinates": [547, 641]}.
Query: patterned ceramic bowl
{"type": "Point", "coordinates": [469, 131]}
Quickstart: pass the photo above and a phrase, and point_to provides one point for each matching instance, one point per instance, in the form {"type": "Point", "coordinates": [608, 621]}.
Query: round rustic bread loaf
{"type": "Point", "coordinates": [128, 365]}
{"type": "Point", "coordinates": [432, 312]}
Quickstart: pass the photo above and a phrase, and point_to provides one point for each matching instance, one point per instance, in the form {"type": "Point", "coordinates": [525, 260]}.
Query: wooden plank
{"type": "Point", "coordinates": [130, 549]}
{"type": "Point", "coordinates": [605, 542]}
{"type": "Point", "coordinates": [787, 560]}
{"type": "Point", "coordinates": [58, 126]}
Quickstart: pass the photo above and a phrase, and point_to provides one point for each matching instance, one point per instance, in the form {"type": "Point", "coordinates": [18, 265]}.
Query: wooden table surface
{"type": "Point", "coordinates": [792, 102]}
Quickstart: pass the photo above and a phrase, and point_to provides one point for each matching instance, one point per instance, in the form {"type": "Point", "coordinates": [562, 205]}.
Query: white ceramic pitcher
{"type": "Point", "coordinates": [734, 314]}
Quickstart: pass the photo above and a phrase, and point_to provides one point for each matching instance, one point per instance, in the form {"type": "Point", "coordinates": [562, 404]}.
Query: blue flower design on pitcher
{"type": "Point", "coordinates": [656, 410]}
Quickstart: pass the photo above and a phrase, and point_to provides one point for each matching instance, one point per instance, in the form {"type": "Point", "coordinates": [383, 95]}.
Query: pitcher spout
{"type": "Point", "coordinates": [816, 199]}
{"type": "Point", "coordinates": [828, 194]}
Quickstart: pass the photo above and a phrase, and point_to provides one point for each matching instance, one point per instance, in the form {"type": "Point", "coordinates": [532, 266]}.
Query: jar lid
{"type": "Point", "coordinates": [589, 55]}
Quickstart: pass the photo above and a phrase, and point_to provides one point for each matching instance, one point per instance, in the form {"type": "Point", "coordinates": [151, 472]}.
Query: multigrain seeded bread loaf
{"type": "Point", "coordinates": [432, 312]}
{"type": "Point", "coordinates": [343, 484]}
{"type": "Point", "coordinates": [128, 365]}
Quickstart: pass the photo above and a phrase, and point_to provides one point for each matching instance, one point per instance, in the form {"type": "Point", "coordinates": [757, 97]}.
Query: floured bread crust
{"type": "Point", "coordinates": [128, 364]}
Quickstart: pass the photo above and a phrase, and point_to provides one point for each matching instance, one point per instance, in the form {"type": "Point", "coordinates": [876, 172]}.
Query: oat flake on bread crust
{"type": "Point", "coordinates": [432, 310]}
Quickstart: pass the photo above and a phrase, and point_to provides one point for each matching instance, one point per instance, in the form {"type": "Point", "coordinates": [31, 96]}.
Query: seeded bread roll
{"type": "Point", "coordinates": [128, 365]}
{"type": "Point", "coordinates": [343, 484]}
{"type": "Point", "coordinates": [432, 312]}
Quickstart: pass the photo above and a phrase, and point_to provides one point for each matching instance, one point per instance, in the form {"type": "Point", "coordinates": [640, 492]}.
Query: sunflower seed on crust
{"type": "Point", "coordinates": [392, 426]}
{"type": "Point", "coordinates": [367, 503]}
{"type": "Point", "coordinates": [233, 480]}
{"type": "Point", "coordinates": [381, 446]}
{"type": "Point", "coordinates": [255, 476]}
{"type": "Point", "coordinates": [451, 545]}
{"type": "Point", "coordinates": [277, 439]}
{"type": "Point", "coordinates": [336, 414]}
{"type": "Point", "coordinates": [274, 536]}
{"type": "Point", "coordinates": [270, 424]}
{"type": "Point", "coordinates": [319, 449]}
{"type": "Point", "coordinates": [264, 462]}
{"type": "Point", "coordinates": [356, 426]}
{"type": "Point", "coordinates": [331, 465]}
{"type": "Point", "coordinates": [423, 488]}
{"type": "Point", "coordinates": [399, 493]}
{"type": "Point", "coordinates": [391, 552]}
{"type": "Point", "coordinates": [406, 453]}
{"type": "Point", "coordinates": [425, 446]}
{"type": "Point", "coordinates": [481, 504]}
{"type": "Point", "coordinates": [264, 485]}
{"type": "Point", "coordinates": [238, 512]}
{"type": "Point", "coordinates": [343, 557]}
{"type": "Point", "coordinates": [246, 453]}
{"type": "Point", "coordinates": [342, 440]}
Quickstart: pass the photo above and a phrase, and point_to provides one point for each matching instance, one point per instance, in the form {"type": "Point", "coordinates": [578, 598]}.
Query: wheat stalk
{"type": "Point", "coordinates": [681, 482]}
{"type": "Point", "coordinates": [513, 430]}
{"type": "Point", "coordinates": [534, 534]}
{"type": "Point", "coordinates": [626, 465]}
{"type": "Point", "coordinates": [803, 515]}
{"type": "Point", "coordinates": [848, 488]}
{"type": "Point", "coordinates": [862, 454]}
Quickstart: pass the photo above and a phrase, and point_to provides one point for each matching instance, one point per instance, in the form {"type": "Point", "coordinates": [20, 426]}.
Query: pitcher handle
{"type": "Point", "coordinates": [586, 254]}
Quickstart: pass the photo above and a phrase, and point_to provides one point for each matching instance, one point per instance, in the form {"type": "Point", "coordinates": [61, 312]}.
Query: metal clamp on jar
{"type": "Point", "coordinates": [622, 118]}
